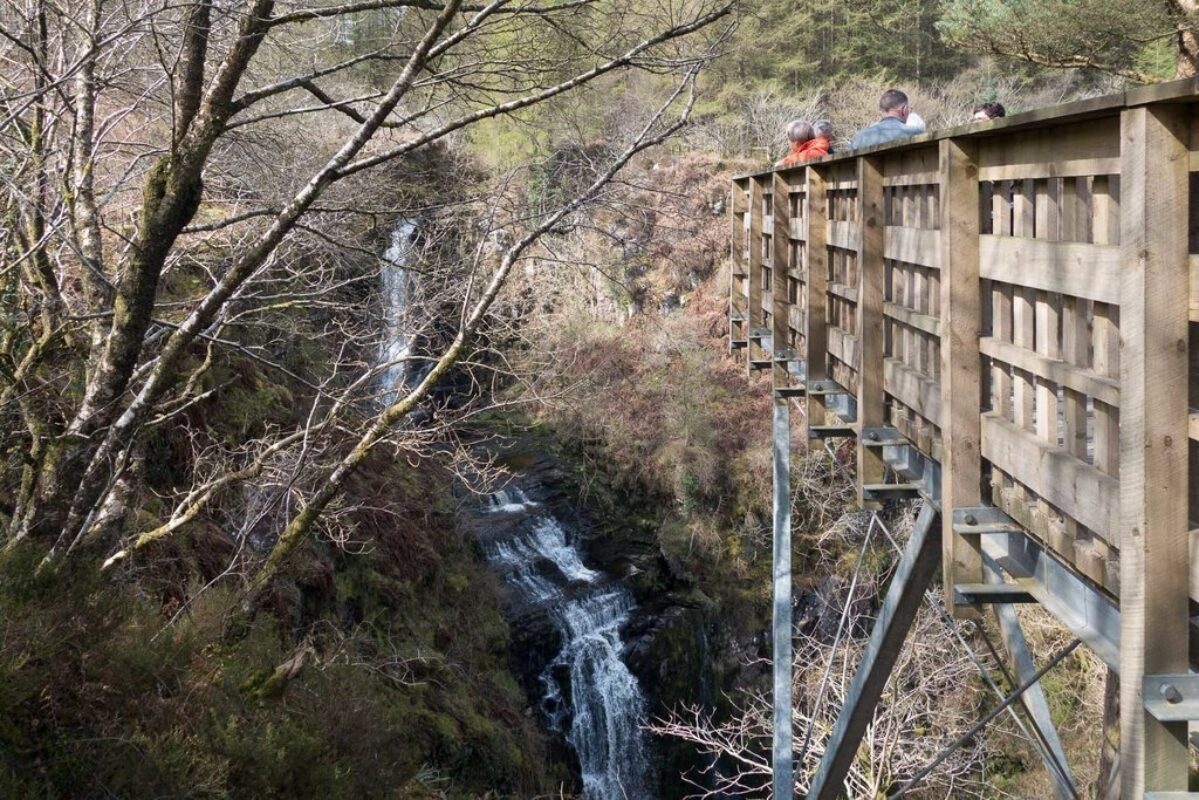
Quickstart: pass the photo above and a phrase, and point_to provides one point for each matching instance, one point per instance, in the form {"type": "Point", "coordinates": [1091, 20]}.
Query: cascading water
{"type": "Point", "coordinates": [397, 287]}
{"type": "Point", "coordinates": [606, 707]}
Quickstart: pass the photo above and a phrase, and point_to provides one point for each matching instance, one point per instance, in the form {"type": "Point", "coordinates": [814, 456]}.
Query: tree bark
{"type": "Point", "coordinates": [1186, 60]}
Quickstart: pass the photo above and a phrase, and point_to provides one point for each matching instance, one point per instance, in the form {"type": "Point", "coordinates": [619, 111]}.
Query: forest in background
{"type": "Point", "coordinates": [156, 637]}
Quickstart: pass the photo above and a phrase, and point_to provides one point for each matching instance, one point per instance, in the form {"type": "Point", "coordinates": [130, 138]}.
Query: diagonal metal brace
{"type": "Point", "coordinates": [920, 562]}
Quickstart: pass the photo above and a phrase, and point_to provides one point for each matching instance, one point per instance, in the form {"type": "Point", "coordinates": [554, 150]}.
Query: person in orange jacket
{"type": "Point", "coordinates": [819, 143]}
{"type": "Point", "coordinates": [799, 133]}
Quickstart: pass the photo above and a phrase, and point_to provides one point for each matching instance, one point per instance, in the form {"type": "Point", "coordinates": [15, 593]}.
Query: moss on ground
{"type": "Point", "coordinates": [404, 690]}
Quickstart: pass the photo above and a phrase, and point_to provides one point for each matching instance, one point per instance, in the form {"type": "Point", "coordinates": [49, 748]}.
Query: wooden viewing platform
{"type": "Point", "coordinates": [1005, 317]}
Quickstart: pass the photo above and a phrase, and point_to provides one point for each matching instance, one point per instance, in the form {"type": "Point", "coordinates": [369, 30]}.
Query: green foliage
{"type": "Point", "coordinates": [101, 697]}
{"type": "Point", "coordinates": [1129, 38]}
{"type": "Point", "coordinates": [795, 47]}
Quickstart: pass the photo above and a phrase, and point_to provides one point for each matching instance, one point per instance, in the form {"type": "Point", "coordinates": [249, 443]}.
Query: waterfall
{"type": "Point", "coordinates": [602, 718]}
{"type": "Point", "coordinates": [396, 291]}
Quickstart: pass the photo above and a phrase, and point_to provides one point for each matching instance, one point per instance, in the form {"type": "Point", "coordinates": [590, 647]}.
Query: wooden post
{"type": "Point", "coordinates": [738, 207]}
{"type": "Point", "coordinates": [781, 236]}
{"type": "Point", "coordinates": [871, 283]}
{"type": "Point", "coordinates": [961, 320]}
{"type": "Point", "coordinates": [816, 295]}
{"type": "Point", "coordinates": [753, 314]}
{"type": "Point", "coordinates": [1154, 555]}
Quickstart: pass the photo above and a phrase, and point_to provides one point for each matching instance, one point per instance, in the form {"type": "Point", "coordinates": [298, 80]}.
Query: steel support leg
{"type": "Point", "coordinates": [784, 783]}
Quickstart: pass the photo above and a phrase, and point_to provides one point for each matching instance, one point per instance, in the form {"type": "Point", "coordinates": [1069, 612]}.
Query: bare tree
{"type": "Point", "coordinates": [177, 174]}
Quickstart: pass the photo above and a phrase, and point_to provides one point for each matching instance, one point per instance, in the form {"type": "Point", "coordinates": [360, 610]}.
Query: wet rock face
{"type": "Point", "coordinates": [661, 632]}
{"type": "Point", "coordinates": [566, 619]}
{"type": "Point", "coordinates": [536, 639]}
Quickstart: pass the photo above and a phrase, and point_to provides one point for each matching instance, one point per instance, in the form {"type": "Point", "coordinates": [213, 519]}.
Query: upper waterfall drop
{"type": "Point", "coordinates": [397, 284]}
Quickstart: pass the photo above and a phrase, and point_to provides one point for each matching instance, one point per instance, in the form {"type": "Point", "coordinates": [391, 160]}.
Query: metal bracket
{"type": "Point", "coordinates": [831, 431]}
{"type": "Point", "coordinates": [911, 466]}
{"type": "Point", "coordinates": [1086, 611]}
{"type": "Point", "coordinates": [970, 594]}
{"type": "Point", "coordinates": [826, 387]}
{"type": "Point", "coordinates": [789, 391]}
{"type": "Point", "coordinates": [759, 333]}
{"type": "Point", "coordinates": [1171, 698]}
{"type": "Point", "coordinates": [786, 355]}
{"type": "Point", "coordinates": [883, 437]}
{"type": "Point", "coordinates": [890, 491]}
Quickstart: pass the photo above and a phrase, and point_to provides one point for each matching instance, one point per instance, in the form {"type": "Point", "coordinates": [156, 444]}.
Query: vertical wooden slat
{"type": "Point", "coordinates": [1023, 209]}
{"type": "Point", "coordinates": [1154, 545]}
{"type": "Point", "coordinates": [920, 305]}
{"type": "Point", "coordinates": [870, 317]}
{"type": "Point", "coordinates": [1023, 322]}
{"type": "Point", "coordinates": [1001, 329]}
{"type": "Point", "coordinates": [1105, 343]}
{"type": "Point", "coordinates": [1049, 345]}
{"type": "Point", "coordinates": [1047, 213]}
{"type": "Point", "coordinates": [960, 307]}
{"type": "Point", "coordinates": [737, 257]}
{"type": "Point", "coordinates": [816, 293]}
{"type": "Point", "coordinates": [1048, 316]}
{"type": "Point", "coordinates": [738, 301]}
{"type": "Point", "coordinates": [753, 315]}
{"type": "Point", "coordinates": [1075, 350]}
{"type": "Point", "coordinates": [781, 262]}
{"type": "Point", "coordinates": [1105, 205]}
{"type": "Point", "coordinates": [1069, 212]}
{"type": "Point", "coordinates": [1001, 219]}
{"type": "Point", "coordinates": [1105, 329]}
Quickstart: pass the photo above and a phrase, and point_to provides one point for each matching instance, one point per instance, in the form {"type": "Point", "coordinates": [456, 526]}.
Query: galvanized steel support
{"type": "Point", "coordinates": [782, 757]}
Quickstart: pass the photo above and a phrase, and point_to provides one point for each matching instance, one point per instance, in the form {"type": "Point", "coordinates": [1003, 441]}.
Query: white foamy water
{"type": "Point", "coordinates": [603, 720]}
{"type": "Point", "coordinates": [396, 291]}
{"type": "Point", "coordinates": [509, 501]}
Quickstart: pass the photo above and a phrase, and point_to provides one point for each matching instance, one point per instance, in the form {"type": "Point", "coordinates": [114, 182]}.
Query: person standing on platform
{"type": "Point", "coordinates": [893, 124]}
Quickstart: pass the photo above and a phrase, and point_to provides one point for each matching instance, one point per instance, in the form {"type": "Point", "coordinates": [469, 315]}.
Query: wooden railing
{"type": "Point", "coordinates": [1016, 304]}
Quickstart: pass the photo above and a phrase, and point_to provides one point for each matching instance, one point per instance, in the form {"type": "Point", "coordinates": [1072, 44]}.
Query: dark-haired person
{"type": "Point", "coordinates": [988, 111]}
{"type": "Point", "coordinates": [893, 124]}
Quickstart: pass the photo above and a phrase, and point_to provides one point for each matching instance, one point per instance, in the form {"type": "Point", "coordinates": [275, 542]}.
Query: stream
{"type": "Point", "coordinates": [589, 694]}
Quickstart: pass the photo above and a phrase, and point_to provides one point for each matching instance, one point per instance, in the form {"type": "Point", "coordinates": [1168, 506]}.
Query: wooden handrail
{"type": "Point", "coordinates": [1015, 300]}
